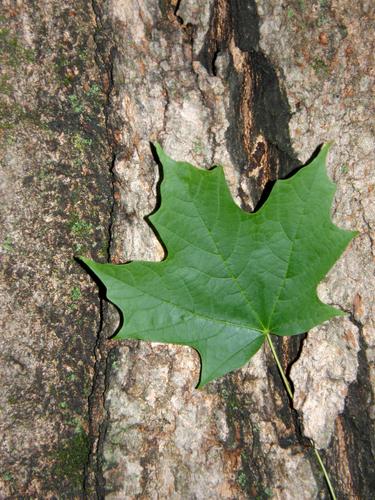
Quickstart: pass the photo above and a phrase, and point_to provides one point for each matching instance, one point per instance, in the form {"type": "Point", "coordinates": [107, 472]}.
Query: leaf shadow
{"type": "Point", "coordinates": [102, 295]}
{"type": "Point", "coordinates": [158, 199]}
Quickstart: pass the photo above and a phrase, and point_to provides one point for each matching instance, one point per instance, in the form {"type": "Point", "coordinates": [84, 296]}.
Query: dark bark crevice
{"type": "Point", "coordinates": [94, 483]}
{"type": "Point", "coordinates": [258, 135]}
{"type": "Point", "coordinates": [352, 445]}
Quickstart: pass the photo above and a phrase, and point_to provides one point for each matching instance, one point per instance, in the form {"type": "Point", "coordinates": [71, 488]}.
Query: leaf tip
{"type": "Point", "coordinates": [161, 154]}
{"type": "Point", "coordinates": [201, 383]}
{"type": "Point", "coordinates": [355, 233]}
{"type": "Point", "coordinates": [334, 311]}
{"type": "Point", "coordinates": [324, 150]}
{"type": "Point", "coordinates": [157, 147]}
{"type": "Point", "coordinates": [84, 260]}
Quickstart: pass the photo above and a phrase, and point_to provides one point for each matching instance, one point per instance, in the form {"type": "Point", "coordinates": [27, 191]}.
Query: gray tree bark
{"type": "Point", "coordinates": [55, 203]}
{"type": "Point", "coordinates": [254, 86]}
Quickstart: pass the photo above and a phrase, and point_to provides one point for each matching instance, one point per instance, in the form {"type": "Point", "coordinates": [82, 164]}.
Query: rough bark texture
{"type": "Point", "coordinates": [55, 203]}
{"type": "Point", "coordinates": [326, 54]}
{"type": "Point", "coordinates": [200, 80]}
{"type": "Point", "coordinates": [255, 86]}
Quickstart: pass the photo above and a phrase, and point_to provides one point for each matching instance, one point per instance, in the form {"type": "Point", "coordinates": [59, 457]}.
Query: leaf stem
{"type": "Point", "coordinates": [276, 358]}
{"type": "Point", "coordinates": [290, 393]}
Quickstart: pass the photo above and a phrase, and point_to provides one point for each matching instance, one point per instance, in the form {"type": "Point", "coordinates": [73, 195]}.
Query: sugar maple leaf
{"type": "Point", "coordinates": [230, 277]}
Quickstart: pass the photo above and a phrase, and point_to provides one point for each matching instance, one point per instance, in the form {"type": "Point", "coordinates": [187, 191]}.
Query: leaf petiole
{"type": "Point", "coordinates": [324, 470]}
{"type": "Point", "coordinates": [276, 358]}
{"type": "Point", "coordinates": [290, 393]}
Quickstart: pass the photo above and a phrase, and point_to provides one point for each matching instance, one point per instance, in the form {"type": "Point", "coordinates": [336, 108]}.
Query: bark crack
{"type": "Point", "coordinates": [368, 233]}
{"type": "Point", "coordinates": [93, 486]}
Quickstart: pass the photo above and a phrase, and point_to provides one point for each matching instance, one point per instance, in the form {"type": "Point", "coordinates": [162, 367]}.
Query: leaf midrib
{"type": "Point", "coordinates": [225, 263]}
{"type": "Point", "coordinates": [292, 248]}
{"type": "Point", "coordinates": [179, 306]}
{"type": "Point", "coordinates": [210, 376]}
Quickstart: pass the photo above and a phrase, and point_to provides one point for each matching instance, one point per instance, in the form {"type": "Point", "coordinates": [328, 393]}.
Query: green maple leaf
{"type": "Point", "coordinates": [230, 277]}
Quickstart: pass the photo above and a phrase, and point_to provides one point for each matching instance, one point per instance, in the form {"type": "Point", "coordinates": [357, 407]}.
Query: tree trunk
{"type": "Point", "coordinates": [55, 203]}
{"type": "Point", "coordinates": [255, 87]}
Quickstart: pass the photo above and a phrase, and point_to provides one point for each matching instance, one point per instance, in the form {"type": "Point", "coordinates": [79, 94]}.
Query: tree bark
{"type": "Point", "coordinates": [208, 82]}
{"type": "Point", "coordinates": [255, 87]}
{"type": "Point", "coordinates": [55, 203]}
